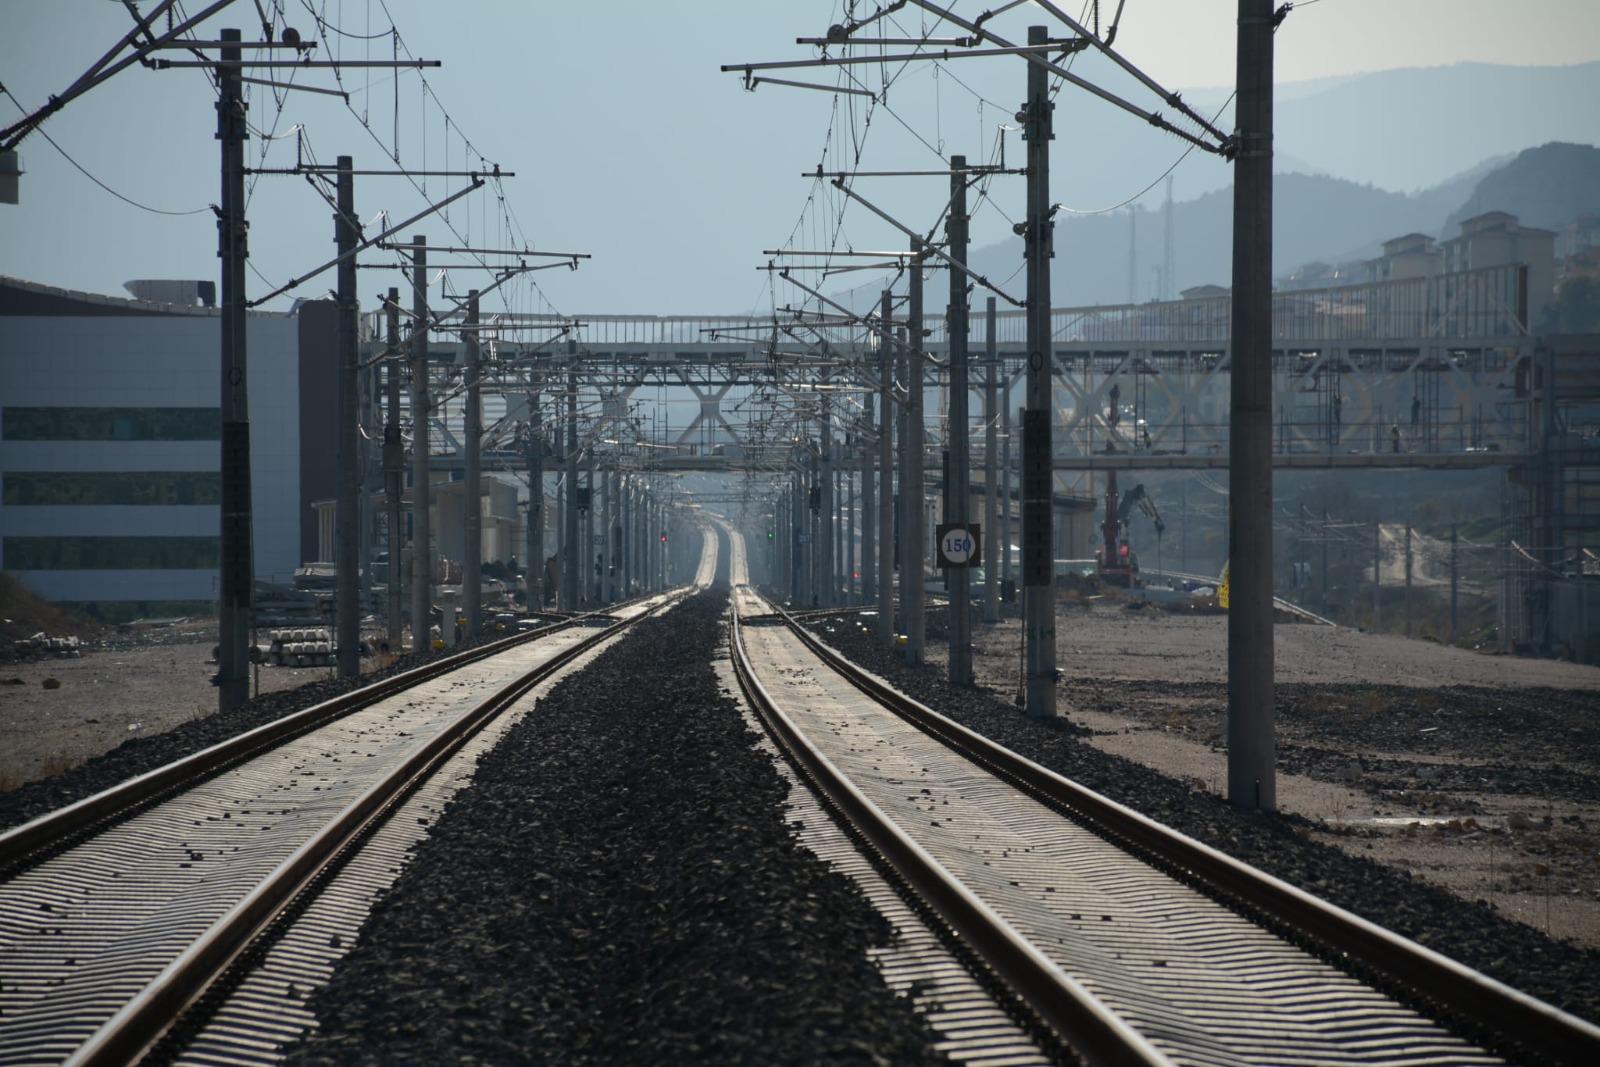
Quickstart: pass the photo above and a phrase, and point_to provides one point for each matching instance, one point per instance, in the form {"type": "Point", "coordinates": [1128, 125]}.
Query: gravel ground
{"type": "Point", "coordinates": [1486, 786]}
{"type": "Point", "coordinates": [1471, 931]}
{"type": "Point", "coordinates": [120, 689]}
{"type": "Point", "coordinates": [619, 884]}
{"type": "Point", "coordinates": [1106, 640]}
{"type": "Point", "coordinates": [171, 728]}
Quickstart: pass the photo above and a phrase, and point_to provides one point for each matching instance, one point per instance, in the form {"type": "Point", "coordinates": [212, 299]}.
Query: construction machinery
{"type": "Point", "coordinates": [1118, 563]}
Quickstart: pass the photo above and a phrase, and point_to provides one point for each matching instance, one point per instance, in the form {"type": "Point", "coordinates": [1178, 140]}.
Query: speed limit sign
{"type": "Point", "coordinates": [960, 544]}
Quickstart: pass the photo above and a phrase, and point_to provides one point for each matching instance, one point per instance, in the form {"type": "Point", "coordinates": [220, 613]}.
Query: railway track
{"type": "Point", "coordinates": [188, 913]}
{"type": "Point", "coordinates": [1127, 941]}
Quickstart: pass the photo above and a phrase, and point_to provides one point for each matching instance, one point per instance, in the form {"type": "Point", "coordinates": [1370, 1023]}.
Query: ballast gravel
{"type": "Point", "coordinates": [619, 884]}
{"type": "Point", "coordinates": [1472, 932]}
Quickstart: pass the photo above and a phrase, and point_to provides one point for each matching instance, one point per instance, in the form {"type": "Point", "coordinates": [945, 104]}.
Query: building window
{"type": "Point", "coordinates": [111, 424]}
{"type": "Point", "coordinates": [110, 553]}
{"type": "Point", "coordinates": [80, 488]}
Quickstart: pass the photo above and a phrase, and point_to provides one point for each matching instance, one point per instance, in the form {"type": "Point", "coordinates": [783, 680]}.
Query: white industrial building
{"type": "Point", "coordinates": [109, 448]}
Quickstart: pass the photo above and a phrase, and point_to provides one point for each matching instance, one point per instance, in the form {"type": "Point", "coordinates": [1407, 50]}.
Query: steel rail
{"type": "Point", "coordinates": [125, 798]}
{"type": "Point", "coordinates": [1059, 1000]}
{"type": "Point", "coordinates": [131, 1032]}
{"type": "Point", "coordinates": [1536, 1031]}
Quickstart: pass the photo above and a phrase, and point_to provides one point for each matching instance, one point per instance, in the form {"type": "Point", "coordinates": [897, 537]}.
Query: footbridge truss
{"type": "Point", "coordinates": [1434, 373]}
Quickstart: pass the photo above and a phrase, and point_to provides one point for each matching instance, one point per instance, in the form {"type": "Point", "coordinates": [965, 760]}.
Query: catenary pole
{"type": "Point", "coordinates": [813, 526]}
{"type": "Point", "coordinates": [1038, 478]}
{"type": "Point", "coordinates": [778, 538]}
{"type": "Point", "coordinates": [347, 507]}
{"type": "Point", "coordinates": [911, 558]}
{"type": "Point", "coordinates": [607, 564]}
{"type": "Point", "coordinates": [472, 478]}
{"type": "Point", "coordinates": [1252, 746]}
{"type": "Point", "coordinates": [591, 580]}
{"type": "Point", "coordinates": [571, 559]}
{"type": "Point", "coordinates": [958, 486]}
{"type": "Point", "coordinates": [798, 512]}
{"type": "Point", "coordinates": [619, 490]}
{"type": "Point", "coordinates": [393, 474]}
{"type": "Point", "coordinates": [1005, 474]}
{"type": "Point", "coordinates": [533, 533]}
{"type": "Point", "coordinates": [370, 479]}
{"type": "Point", "coordinates": [659, 542]}
{"type": "Point", "coordinates": [421, 528]}
{"type": "Point", "coordinates": [848, 522]}
{"type": "Point", "coordinates": [903, 480]}
{"type": "Point", "coordinates": [647, 537]}
{"type": "Point", "coordinates": [991, 527]}
{"type": "Point", "coordinates": [841, 572]}
{"type": "Point", "coordinates": [614, 537]}
{"type": "Point", "coordinates": [236, 565]}
{"type": "Point", "coordinates": [827, 577]}
{"type": "Point", "coordinates": [624, 534]}
{"type": "Point", "coordinates": [886, 524]}
{"type": "Point", "coordinates": [869, 508]}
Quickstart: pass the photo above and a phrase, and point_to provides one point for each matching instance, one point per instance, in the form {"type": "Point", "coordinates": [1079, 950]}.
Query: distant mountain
{"type": "Point", "coordinates": [1410, 129]}
{"type": "Point", "coordinates": [1405, 130]}
{"type": "Point", "coordinates": [1359, 159]}
{"type": "Point", "coordinates": [1545, 186]}
{"type": "Point", "coordinates": [1315, 218]}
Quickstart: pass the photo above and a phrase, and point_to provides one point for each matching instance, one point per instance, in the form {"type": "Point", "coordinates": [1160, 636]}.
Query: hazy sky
{"type": "Point", "coordinates": [627, 141]}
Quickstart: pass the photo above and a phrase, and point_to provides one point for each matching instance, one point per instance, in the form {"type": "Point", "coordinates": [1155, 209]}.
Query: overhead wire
{"type": "Point", "coordinates": [1159, 179]}
{"type": "Point", "coordinates": [87, 174]}
{"type": "Point", "coordinates": [506, 293]}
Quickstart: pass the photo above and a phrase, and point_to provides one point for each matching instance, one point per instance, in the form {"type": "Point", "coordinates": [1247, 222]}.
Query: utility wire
{"type": "Point", "coordinates": [1162, 177]}
{"type": "Point", "coordinates": [85, 171]}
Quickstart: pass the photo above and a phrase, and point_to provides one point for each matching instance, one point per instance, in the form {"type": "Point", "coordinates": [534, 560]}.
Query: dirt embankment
{"type": "Point", "coordinates": [22, 615]}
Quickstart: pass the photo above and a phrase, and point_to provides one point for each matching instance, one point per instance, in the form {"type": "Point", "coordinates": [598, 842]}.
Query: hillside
{"type": "Point", "coordinates": [1545, 186]}
{"type": "Point", "coordinates": [1315, 217]}
{"type": "Point", "coordinates": [1360, 159]}
{"type": "Point", "coordinates": [1408, 130]}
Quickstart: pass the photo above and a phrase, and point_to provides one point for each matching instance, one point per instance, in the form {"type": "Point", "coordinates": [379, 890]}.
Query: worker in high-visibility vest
{"type": "Point", "coordinates": [1222, 589]}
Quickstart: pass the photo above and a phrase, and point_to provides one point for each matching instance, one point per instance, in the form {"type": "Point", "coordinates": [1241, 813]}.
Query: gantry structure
{"type": "Point", "coordinates": [1435, 373]}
